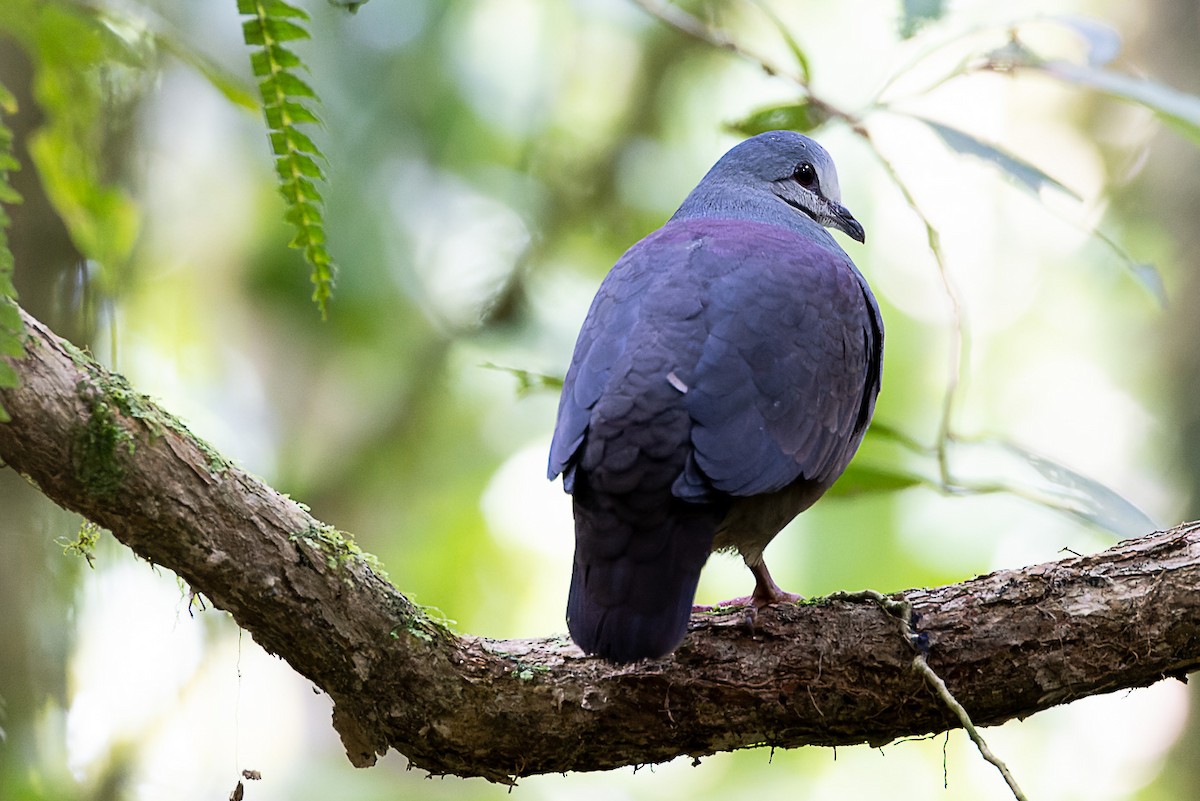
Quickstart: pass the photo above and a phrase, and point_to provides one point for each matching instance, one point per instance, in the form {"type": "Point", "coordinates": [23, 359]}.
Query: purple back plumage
{"type": "Point", "coordinates": [726, 356]}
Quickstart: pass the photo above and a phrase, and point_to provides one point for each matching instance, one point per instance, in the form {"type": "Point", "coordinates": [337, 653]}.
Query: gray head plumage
{"type": "Point", "coordinates": [756, 178]}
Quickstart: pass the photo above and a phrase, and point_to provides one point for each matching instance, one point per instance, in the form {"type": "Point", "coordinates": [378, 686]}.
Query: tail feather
{"type": "Point", "coordinates": [634, 577]}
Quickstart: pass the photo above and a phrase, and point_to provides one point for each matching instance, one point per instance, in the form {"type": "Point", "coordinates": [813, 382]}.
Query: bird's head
{"type": "Point", "coordinates": [796, 170]}
{"type": "Point", "coordinates": [800, 173]}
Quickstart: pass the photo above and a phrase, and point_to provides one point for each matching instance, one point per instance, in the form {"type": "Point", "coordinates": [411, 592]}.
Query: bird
{"type": "Point", "coordinates": [724, 376]}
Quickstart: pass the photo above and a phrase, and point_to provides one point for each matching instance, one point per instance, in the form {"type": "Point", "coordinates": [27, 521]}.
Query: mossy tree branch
{"type": "Point", "coordinates": [832, 672]}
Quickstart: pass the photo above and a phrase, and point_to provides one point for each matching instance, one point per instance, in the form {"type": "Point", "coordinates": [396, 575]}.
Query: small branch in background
{"type": "Point", "coordinates": [959, 352]}
{"type": "Point", "coordinates": [902, 611]}
{"type": "Point", "coordinates": [695, 28]}
{"type": "Point", "coordinates": [943, 692]}
{"type": "Point", "coordinates": [691, 26]}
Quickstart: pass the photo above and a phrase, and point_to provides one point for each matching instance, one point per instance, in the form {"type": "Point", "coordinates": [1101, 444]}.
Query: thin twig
{"type": "Point", "coordinates": [692, 26]}
{"type": "Point", "coordinates": [901, 610]}
{"type": "Point", "coordinates": [959, 354]}
{"type": "Point", "coordinates": [947, 698]}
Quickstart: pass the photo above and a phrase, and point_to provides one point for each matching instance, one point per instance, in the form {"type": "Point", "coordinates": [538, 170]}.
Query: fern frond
{"type": "Point", "coordinates": [285, 99]}
{"type": "Point", "coordinates": [11, 330]}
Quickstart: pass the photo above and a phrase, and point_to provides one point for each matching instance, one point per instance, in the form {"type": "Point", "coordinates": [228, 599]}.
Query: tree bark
{"type": "Point", "coordinates": [827, 672]}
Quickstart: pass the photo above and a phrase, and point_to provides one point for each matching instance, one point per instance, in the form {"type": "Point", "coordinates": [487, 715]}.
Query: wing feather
{"type": "Point", "coordinates": [773, 335]}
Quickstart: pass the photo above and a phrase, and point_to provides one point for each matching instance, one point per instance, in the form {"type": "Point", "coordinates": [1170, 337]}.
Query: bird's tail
{"type": "Point", "coordinates": [635, 574]}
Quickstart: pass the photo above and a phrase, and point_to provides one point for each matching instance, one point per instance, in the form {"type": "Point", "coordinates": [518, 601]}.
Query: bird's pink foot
{"type": "Point", "coordinates": [766, 593]}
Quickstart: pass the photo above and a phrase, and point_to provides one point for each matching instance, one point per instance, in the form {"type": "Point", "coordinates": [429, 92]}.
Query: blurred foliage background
{"type": "Point", "coordinates": [487, 161]}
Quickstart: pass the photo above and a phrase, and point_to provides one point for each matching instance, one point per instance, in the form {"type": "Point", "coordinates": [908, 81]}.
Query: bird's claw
{"type": "Point", "coordinates": [754, 602]}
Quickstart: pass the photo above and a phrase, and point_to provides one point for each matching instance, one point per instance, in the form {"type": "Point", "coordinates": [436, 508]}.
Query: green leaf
{"type": "Point", "coordinates": [284, 83]}
{"type": "Point", "coordinates": [1031, 178]}
{"type": "Point", "coordinates": [293, 86]}
{"type": "Point", "coordinates": [266, 62]}
{"type": "Point", "coordinates": [278, 8]}
{"type": "Point", "coordinates": [80, 62]}
{"type": "Point", "coordinates": [527, 380]}
{"type": "Point", "coordinates": [297, 154]}
{"type": "Point", "coordinates": [261, 63]}
{"type": "Point", "coordinates": [916, 14]}
{"type": "Point", "coordinates": [321, 276]}
{"type": "Point", "coordinates": [231, 86]}
{"type": "Point", "coordinates": [350, 5]}
{"type": "Point", "coordinates": [10, 320]}
{"type": "Point", "coordinates": [1178, 109]}
{"type": "Point", "coordinates": [253, 32]}
{"type": "Point", "coordinates": [860, 479]}
{"type": "Point", "coordinates": [301, 239]}
{"type": "Point", "coordinates": [278, 143]}
{"type": "Point", "coordinates": [803, 116]}
{"type": "Point", "coordinates": [7, 193]}
{"type": "Point", "coordinates": [289, 113]}
{"type": "Point", "coordinates": [995, 465]}
{"type": "Point", "coordinates": [793, 46]}
{"type": "Point", "coordinates": [1146, 275]}
{"type": "Point", "coordinates": [316, 235]}
{"type": "Point", "coordinates": [280, 30]}
{"type": "Point", "coordinates": [1024, 173]}
{"type": "Point", "coordinates": [302, 214]}
{"type": "Point", "coordinates": [103, 221]}
{"type": "Point", "coordinates": [270, 8]}
{"type": "Point", "coordinates": [309, 234]}
{"type": "Point", "coordinates": [297, 140]}
{"type": "Point", "coordinates": [304, 190]}
{"type": "Point", "coordinates": [1084, 498]}
{"type": "Point", "coordinates": [1103, 40]}
{"type": "Point", "coordinates": [10, 343]}
{"type": "Point", "coordinates": [12, 334]}
{"type": "Point", "coordinates": [298, 163]}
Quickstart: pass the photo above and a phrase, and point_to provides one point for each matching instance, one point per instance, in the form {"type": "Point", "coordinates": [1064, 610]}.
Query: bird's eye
{"type": "Point", "coordinates": [805, 174]}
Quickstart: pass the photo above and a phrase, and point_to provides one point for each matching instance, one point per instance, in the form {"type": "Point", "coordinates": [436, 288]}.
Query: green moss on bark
{"type": "Point", "coordinates": [100, 444]}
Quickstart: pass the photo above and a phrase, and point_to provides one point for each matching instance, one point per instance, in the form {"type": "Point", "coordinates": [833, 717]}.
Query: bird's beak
{"type": "Point", "coordinates": [844, 221]}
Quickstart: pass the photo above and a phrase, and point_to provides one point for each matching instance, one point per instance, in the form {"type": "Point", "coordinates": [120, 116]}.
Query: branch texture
{"type": "Point", "coordinates": [831, 672]}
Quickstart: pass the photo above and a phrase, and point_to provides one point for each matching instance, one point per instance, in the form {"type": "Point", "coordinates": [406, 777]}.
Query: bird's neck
{"type": "Point", "coordinates": [728, 201]}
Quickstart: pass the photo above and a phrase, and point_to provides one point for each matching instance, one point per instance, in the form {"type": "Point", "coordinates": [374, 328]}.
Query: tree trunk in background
{"type": "Point", "coordinates": [1166, 48]}
{"type": "Point", "coordinates": [36, 583]}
